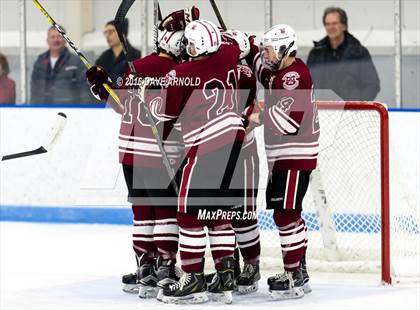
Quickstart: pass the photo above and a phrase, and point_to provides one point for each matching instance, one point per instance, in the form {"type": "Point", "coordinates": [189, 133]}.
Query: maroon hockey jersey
{"type": "Point", "coordinates": [290, 116]}
{"type": "Point", "coordinates": [137, 144]}
{"type": "Point", "coordinates": [202, 94]}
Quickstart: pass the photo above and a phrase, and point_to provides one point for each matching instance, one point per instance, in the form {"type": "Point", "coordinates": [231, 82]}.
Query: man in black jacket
{"type": "Point", "coordinates": [340, 63]}
{"type": "Point", "coordinates": [58, 76]}
{"type": "Point", "coordinates": [113, 59]}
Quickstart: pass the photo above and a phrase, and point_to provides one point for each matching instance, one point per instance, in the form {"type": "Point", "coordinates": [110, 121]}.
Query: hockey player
{"type": "Point", "coordinates": [155, 226]}
{"type": "Point", "coordinates": [211, 123]}
{"type": "Point", "coordinates": [245, 225]}
{"type": "Point", "coordinates": [291, 138]}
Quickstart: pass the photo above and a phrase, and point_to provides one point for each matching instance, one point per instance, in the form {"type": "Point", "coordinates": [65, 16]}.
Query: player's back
{"type": "Point", "coordinates": [138, 145]}
{"type": "Point", "coordinates": [210, 115]}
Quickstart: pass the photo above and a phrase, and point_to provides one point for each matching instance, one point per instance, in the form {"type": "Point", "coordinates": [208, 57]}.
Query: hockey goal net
{"type": "Point", "coordinates": [353, 226]}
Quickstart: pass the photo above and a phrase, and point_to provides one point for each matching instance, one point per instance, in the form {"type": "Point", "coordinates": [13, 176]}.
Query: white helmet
{"type": "Point", "coordinates": [282, 38]}
{"type": "Point", "coordinates": [171, 42]}
{"type": "Point", "coordinates": [204, 35]}
{"type": "Point", "coordinates": [242, 40]}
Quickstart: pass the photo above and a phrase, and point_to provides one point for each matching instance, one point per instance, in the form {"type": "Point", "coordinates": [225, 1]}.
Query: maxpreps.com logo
{"type": "Point", "coordinates": [291, 80]}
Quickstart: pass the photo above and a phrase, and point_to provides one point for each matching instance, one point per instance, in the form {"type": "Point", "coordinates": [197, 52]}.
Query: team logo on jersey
{"type": "Point", "coordinates": [171, 74]}
{"type": "Point", "coordinates": [169, 78]}
{"type": "Point", "coordinates": [285, 103]}
{"type": "Point", "coordinates": [291, 80]}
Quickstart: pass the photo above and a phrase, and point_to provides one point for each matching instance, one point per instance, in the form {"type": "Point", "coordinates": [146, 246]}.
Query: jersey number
{"type": "Point", "coordinates": [215, 89]}
{"type": "Point", "coordinates": [128, 114]}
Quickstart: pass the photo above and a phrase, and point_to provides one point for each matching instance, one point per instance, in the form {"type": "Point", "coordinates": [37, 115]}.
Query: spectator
{"type": "Point", "coordinates": [113, 59]}
{"type": "Point", "coordinates": [339, 62]}
{"type": "Point", "coordinates": [7, 85]}
{"type": "Point", "coordinates": [58, 76]}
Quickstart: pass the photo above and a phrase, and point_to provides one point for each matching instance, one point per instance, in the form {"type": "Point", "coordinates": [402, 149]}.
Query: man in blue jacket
{"type": "Point", "coordinates": [58, 77]}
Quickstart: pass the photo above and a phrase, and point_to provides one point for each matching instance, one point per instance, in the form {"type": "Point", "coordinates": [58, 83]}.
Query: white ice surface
{"type": "Point", "coordinates": [60, 266]}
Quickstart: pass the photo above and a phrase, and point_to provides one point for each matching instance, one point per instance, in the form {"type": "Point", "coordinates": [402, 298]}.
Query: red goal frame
{"type": "Point", "coordinates": [384, 153]}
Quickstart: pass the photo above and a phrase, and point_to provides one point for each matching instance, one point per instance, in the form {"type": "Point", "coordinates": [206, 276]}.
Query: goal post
{"type": "Point", "coordinates": [353, 224]}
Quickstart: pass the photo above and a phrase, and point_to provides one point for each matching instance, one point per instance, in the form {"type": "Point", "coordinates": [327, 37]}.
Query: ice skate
{"type": "Point", "coordinates": [288, 285]}
{"type": "Point", "coordinates": [190, 289]}
{"type": "Point", "coordinates": [247, 282]}
{"type": "Point", "coordinates": [223, 283]}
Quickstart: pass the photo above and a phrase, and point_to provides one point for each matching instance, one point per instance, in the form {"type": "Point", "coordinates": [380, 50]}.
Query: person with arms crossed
{"type": "Point", "coordinates": [339, 62]}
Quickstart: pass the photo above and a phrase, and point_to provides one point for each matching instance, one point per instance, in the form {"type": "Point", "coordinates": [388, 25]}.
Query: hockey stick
{"type": "Point", "coordinates": [82, 57]}
{"type": "Point", "coordinates": [157, 18]}
{"type": "Point", "coordinates": [218, 15]}
{"type": "Point", "coordinates": [119, 20]}
{"type": "Point", "coordinates": [50, 142]}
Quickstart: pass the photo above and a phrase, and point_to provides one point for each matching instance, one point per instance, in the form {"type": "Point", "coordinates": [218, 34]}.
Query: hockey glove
{"type": "Point", "coordinates": [178, 20]}
{"type": "Point", "coordinates": [97, 76]}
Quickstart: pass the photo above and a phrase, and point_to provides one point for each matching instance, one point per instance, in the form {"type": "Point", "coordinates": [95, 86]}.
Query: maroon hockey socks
{"type": "Point", "coordinates": [292, 231]}
{"type": "Point", "coordinates": [193, 241]}
{"type": "Point", "coordinates": [144, 222]}
{"type": "Point", "coordinates": [248, 239]}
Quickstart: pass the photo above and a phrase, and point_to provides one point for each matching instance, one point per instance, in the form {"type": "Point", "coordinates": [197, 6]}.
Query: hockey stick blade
{"type": "Point", "coordinates": [50, 142]}
{"type": "Point", "coordinates": [37, 151]}
{"type": "Point", "coordinates": [56, 131]}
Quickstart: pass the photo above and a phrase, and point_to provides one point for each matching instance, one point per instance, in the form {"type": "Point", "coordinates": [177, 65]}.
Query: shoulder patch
{"type": "Point", "coordinates": [291, 80]}
{"type": "Point", "coordinates": [245, 70]}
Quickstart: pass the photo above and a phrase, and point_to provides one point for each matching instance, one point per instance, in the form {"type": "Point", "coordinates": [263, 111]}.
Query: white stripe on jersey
{"type": "Point", "coordinates": [209, 124]}
{"type": "Point", "coordinates": [292, 151]}
{"type": "Point", "coordinates": [282, 121]}
{"type": "Point", "coordinates": [291, 144]}
{"type": "Point", "coordinates": [214, 131]}
{"type": "Point", "coordinates": [201, 141]}
{"type": "Point", "coordinates": [149, 154]}
{"type": "Point", "coordinates": [291, 157]}
{"type": "Point", "coordinates": [147, 147]}
{"type": "Point", "coordinates": [274, 120]}
{"type": "Point", "coordinates": [124, 137]}
{"type": "Point", "coordinates": [286, 117]}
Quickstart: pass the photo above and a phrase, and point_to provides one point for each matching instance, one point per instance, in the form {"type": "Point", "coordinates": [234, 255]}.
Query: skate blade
{"type": "Point", "coordinates": [131, 288]}
{"type": "Point", "coordinates": [196, 298]}
{"type": "Point", "coordinates": [148, 292]}
{"type": "Point", "coordinates": [307, 288]}
{"type": "Point", "coordinates": [224, 297]}
{"type": "Point", "coordinates": [247, 289]}
{"type": "Point", "coordinates": [293, 293]}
